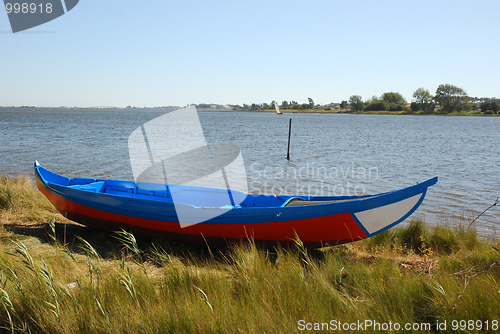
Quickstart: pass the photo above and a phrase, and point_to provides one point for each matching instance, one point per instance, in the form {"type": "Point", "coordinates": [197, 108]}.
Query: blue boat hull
{"type": "Point", "coordinates": [149, 209]}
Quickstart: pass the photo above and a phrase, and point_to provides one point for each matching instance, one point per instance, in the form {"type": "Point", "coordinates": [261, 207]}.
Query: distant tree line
{"type": "Point", "coordinates": [446, 99]}
{"type": "Point", "coordinates": [284, 105]}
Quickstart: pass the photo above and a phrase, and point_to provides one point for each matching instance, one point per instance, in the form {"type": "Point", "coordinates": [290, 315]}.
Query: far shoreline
{"type": "Point", "coordinates": [284, 111]}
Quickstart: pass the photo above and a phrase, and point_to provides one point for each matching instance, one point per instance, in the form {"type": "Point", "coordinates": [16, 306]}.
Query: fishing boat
{"type": "Point", "coordinates": [149, 209]}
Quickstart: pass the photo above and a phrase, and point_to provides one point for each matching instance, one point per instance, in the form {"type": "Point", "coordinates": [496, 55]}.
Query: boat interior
{"type": "Point", "coordinates": [193, 195]}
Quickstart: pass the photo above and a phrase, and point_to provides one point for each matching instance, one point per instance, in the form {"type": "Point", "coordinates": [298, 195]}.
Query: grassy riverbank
{"type": "Point", "coordinates": [59, 277]}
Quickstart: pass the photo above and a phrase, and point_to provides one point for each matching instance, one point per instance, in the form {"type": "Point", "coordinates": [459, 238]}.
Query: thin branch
{"type": "Point", "coordinates": [492, 205]}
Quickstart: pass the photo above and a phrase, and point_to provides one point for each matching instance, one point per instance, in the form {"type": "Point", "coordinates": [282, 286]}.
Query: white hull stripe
{"type": "Point", "coordinates": [374, 220]}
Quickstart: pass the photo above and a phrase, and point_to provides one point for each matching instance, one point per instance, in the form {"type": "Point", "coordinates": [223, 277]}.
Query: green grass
{"type": "Point", "coordinates": [99, 282]}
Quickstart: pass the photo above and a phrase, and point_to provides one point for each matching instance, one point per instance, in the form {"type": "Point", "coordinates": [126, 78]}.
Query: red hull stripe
{"type": "Point", "coordinates": [333, 228]}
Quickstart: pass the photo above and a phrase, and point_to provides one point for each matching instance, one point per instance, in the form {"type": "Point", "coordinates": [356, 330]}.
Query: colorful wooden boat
{"type": "Point", "coordinates": [318, 221]}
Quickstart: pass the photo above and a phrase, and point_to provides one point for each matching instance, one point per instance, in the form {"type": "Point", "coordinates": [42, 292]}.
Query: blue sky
{"type": "Point", "coordinates": [157, 53]}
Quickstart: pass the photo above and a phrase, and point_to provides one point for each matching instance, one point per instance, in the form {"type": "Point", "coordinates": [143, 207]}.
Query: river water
{"type": "Point", "coordinates": [330, 154]}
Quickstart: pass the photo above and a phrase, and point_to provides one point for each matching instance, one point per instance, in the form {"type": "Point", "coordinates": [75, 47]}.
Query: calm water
{"type": "Point", "coordinates": [330, 154]}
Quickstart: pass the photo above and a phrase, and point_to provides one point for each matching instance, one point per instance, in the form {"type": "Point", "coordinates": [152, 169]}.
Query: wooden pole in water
{"type": "Point", "coordinates": [289, 134]}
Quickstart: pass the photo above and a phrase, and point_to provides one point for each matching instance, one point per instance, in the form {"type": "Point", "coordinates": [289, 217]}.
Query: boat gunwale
{"type": "Point", "coordinates": [367, 201]}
